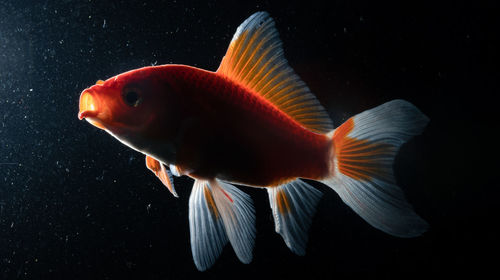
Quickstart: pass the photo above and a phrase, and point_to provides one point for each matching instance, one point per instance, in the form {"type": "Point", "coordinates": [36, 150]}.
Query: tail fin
{"type": "Point", "coordinates": [364, 151]}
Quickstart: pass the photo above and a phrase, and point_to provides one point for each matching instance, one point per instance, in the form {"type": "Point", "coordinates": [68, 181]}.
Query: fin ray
{"type": "Point", "coordinates": [207, 231]}
{"type": "Point", "coordinates": [238, 214]}
{"type": "Point", "coordinates": [162, 173]}
{"type": "Point", "coordinates": [218, 213]}
{"type": "Point", "coordinates": [363, 176]}
{"type": "Point", "coordinates": [256, 61]}
{"type": "Point", "coordinates": [293, 206]}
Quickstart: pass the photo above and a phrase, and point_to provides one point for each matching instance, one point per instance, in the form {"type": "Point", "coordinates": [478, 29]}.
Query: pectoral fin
{"type": "Point", "coordinates": [162, 173]}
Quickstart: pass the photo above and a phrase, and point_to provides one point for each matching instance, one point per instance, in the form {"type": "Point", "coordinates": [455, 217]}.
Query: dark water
{"type": "Point", "coordinates": [76, 204]}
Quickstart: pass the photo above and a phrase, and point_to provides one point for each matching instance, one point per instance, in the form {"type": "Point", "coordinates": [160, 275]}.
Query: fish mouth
{"type": "Point", "coordinates": [89, 109]}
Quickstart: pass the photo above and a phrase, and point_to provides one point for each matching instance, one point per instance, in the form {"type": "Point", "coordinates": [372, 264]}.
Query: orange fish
{"type": "Point", "coordinates": [255, 123]}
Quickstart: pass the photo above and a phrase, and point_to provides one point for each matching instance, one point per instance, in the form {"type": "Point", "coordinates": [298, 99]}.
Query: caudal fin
{"type": "Point", "coordinates": [364, 151]}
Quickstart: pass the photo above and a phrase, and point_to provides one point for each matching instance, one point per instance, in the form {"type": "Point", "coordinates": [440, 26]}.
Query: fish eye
{"type": "Point", "coordinates": [132, 97]}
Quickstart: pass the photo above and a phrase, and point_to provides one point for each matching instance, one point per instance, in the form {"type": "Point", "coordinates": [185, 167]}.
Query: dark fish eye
{"type": "Point", "coordinates": [132, 97]}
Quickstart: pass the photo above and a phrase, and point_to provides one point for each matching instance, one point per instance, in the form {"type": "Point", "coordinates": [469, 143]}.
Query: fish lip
{"type": "Point", "coordinates": [88, 107]}
{"type": "Point", "coordinates": [87, 114]}
{"type": "Point", "coordinates": [91, 109]}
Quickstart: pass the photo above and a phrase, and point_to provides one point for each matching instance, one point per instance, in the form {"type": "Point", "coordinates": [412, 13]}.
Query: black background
{"type": "Point", "coordinates": [77, 204]}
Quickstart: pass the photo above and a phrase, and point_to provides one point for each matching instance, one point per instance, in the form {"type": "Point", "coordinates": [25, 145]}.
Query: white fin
{"type": "Point", "coordinates": [175, 170]}
{"type": "Point", "coordinates": [208, 235]}
{"type": "Point", "coordinates": [365, 147]}
{"type": "Point", "coordinates": [238, 214]}
{"type": "Point", "coordinates": [255, 61]}
{"type": "Point", "coordinates": [219, 212]}
{"type": "Point", "coordinates": [293, 206]}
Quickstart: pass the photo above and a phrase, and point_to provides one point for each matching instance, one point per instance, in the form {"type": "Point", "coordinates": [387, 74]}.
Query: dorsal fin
{"type": "Point", "coordinates": [255, 60]}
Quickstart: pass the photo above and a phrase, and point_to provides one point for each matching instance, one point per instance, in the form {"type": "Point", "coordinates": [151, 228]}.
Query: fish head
{"type": "Point", "coordinates": [123, 105]}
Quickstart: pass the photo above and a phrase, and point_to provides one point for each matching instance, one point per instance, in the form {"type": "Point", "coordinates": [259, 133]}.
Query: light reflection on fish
{"type": "Point", "coordinates": [254, 123]}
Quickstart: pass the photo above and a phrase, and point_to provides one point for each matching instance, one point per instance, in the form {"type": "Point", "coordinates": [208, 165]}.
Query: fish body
{"type": "Point", "coordinates": [216, 128]}
{"type": "Point", "coordinates": [254, 122]}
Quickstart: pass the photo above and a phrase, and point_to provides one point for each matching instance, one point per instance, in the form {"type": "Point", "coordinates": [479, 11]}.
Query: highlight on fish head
{"type": "Point", "coordinates": [125, 104]}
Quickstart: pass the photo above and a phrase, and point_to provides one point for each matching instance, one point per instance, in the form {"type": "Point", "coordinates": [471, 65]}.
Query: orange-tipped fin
{"type": "Point", "coordinates": [255, 61]}
{"type": "Point", "coordinates": [360, 159]}
{"type": "Point", "coordinates": [293, 205]}
{"type": "Point", "coordinates": [362, 173]}
{"type": "Point", "coordinates": [219, 212]}
{"type": "Point", "coordinates": [162, 173]}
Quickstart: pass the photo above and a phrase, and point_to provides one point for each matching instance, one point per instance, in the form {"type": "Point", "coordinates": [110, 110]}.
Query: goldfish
{"type": "Point", "coordinates": [254, 123]}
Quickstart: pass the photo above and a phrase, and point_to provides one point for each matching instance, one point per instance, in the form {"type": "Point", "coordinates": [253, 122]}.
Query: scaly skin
{"type": "Point", "coordinates": [210, 127]}
{"type": "Point", "coordinates": [239, 136]}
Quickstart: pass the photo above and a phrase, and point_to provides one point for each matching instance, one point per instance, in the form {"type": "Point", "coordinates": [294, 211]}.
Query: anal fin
{"type": "Point", "coordinates": [162, 173]}
{"type": "Point", "coordinates": [293, 206]}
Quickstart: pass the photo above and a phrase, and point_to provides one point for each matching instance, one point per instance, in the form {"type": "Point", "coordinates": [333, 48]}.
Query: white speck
{"type": "Point", "coordinates": [12, 225]}
{"type": "Point", "coordinates": [104, 24]}
{"type": "Point", "coordinates": [67, 170]}
{"type": "Point", "coordinates": [31, 89]}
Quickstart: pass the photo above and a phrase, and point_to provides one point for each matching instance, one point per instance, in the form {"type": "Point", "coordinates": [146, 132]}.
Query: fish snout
{"type": "Point", "coordinates": [90, 109]}
{"type": "Point", "coordinates": [88, 105]}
